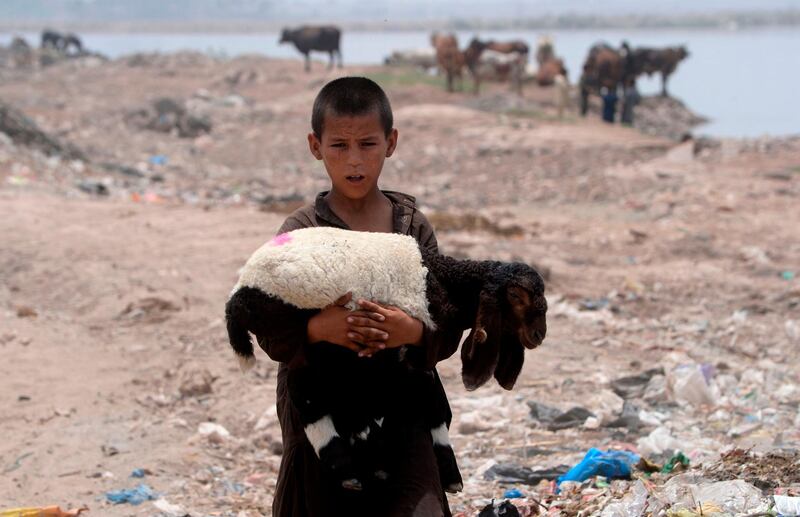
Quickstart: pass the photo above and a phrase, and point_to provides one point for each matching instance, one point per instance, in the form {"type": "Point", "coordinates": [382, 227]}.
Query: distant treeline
{"type": "Point", "coordinates": [718, 20]}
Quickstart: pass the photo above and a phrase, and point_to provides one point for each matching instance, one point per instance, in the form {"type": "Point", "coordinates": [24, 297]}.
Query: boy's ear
{"type": "Point", "coordinates": [314, 145]}
{"type": "Point", "coordinates": [391, 142]}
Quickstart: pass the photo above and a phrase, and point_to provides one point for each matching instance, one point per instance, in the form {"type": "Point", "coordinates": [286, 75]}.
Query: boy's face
{"type": "Point", "coordinates": [353, 149]}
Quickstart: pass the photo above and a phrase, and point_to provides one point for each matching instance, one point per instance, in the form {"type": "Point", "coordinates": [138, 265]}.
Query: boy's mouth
{"type": "Point", "coordinates": [355, 178]}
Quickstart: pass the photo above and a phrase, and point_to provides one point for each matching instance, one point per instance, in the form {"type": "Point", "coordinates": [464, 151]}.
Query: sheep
{"type": "Point", "coordinates": [310, 268]}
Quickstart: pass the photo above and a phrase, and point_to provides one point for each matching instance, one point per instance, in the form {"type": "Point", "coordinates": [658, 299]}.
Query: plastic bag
{"type": "Point", "coordinates": [611, 464]}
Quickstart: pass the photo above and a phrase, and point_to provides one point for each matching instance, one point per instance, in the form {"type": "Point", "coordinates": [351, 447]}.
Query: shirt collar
{"type": "Point", "coordinates": [403, 207]}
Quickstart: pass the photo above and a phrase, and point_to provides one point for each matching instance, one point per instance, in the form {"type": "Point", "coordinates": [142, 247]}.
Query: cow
{"type": "Point", "coordinates": [483, 62]}
{"type": "Point", "coordinates": [604, 67]}
{"type": "Point", "coordinates": [62, 42]}
{"type": "Point", "coordinates": [449, 58]}
{"type": "Point", "coordinates": [507, 47]}
{"type": "Point", "coordinates": [51, 39]}
{"type": "Point", "coordinates": [306, 39]}
{"type": "Point", "coordinates": [72, 40]}
{"type": "Point", "coordinates": [663, 60]}
{"type": "Point", "coordinates": [549, 70]}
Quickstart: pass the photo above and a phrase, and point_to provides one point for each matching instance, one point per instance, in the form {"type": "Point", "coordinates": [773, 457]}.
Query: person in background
{"type": "Point", "coordinates": [562, 94]}
{"type": "Point", "coordinates": [630, 98]}
{"type": "Point", "coordinates": [610, 99]}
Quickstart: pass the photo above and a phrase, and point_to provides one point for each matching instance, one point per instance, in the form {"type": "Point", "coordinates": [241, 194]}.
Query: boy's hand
{"type": "Point", "coordinates": [331, 325]}
{"type": "Point", "coordinates": [382, 326]}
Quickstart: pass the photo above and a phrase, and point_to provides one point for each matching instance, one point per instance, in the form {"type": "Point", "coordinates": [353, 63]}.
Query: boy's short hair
{"type": "Point", "coordinates": [351, 96]}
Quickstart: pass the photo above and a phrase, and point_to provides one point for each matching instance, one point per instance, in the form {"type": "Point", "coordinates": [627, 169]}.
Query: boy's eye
{"type": "Point", "coordinates": [367, 144]}
{"type": "Point", "coordinates": [338, 145]}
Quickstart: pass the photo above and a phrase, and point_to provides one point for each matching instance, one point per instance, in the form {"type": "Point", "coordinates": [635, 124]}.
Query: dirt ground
{"type": "Point", "coordinates": [114, 349]}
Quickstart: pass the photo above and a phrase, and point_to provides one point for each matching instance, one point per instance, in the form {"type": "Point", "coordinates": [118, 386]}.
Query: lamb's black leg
{"type": "Point", "coordinates": [439, 418]}
{"type": "Point", "coordinates": [449, 475]}
{"type": "Point", "coordinates": [333, 450]}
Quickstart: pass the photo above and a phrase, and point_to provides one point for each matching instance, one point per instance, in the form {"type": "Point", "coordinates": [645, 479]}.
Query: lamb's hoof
{"type": "Point", "coordinates": [352, 484]}
{"type": "Point", "coordinates": [454, 488]}
{"type": "Point", "coordinates": [381, 474]}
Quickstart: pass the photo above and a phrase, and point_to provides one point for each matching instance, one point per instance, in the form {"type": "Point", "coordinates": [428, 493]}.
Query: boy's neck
{"type": "Point", "coordinates": [354, 211]}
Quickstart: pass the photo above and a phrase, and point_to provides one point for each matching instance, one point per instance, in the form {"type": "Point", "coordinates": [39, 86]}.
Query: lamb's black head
{"type": "Point", "coordinates": [511, 317]}
{"type": "Point", "coordinates": [524, 293]}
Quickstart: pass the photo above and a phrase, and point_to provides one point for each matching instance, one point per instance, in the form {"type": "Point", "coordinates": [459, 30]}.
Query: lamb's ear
{"type": "Point", "coordinates": [479, 354]}
{"type": "Point", "coordinates": [509, 364]}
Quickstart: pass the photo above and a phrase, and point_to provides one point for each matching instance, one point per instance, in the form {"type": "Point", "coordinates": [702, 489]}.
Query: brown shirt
{"type": "Point", "coordinates": [300, 490]}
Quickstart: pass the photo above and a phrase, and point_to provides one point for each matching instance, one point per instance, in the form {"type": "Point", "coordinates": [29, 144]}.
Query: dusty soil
{"type": "Point", "coordinates": [111, 324]}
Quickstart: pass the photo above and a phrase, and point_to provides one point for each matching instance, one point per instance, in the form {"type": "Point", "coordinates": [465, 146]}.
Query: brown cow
{"type": "Point", "coordinates": [547, 72]}
{"type": "Point", "coordinates": [507, 47]}
{"type": "Point", "coordinates": [484, 62]}
{"type": "Point", "coordinates": [604, 67]}
{"type": "Point", "coordinates": [663, 60]}
{"type": "Point", "coordinates": [449, 58]}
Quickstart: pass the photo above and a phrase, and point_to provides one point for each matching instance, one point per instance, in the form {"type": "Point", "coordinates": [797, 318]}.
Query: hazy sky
{"type": "Point", "coordinates": [392, 10]}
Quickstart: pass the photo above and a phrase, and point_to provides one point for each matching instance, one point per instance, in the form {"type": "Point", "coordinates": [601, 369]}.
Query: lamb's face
{"type": "Point", "coordinates": [525, 296]}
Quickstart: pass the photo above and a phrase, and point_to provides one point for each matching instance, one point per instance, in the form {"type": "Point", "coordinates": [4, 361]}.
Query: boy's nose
{"type": "Point", "coordinates": [354, 157]}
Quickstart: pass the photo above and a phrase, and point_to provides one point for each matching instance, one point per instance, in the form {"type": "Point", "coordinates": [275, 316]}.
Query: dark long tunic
{"type": "Point", "coordinates": [303, 489]}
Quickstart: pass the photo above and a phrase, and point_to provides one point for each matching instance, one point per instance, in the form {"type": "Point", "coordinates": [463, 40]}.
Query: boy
{"type": "Point", "coordinates": [352, 134]}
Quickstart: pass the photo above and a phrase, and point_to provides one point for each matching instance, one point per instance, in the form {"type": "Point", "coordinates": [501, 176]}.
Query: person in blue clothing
{"type": "Point", "coordinates": [609, 96]}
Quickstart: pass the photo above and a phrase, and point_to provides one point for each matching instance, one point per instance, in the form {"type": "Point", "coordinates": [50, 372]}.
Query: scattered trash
{"type": "Point", "coordinates": [594, 304]}
{"type": "Point", "coordinates": [158, 159]}
{"type": "Point", "coordinates": [172, 510]}
{"type": "Point", "coordinates": [512, 493]}
{"type": "Point", "coordinates": [95, 188]}
{"type": "Point", "coordinates": [689, 384]}
{"type": "Point", "coordinates": [109, 450]}
{"type": "Point", "coordinates": [132, 496]}
{"type": "Point", "coordinates": [556, 419]}
{"type": "Point", "coordinates": [632, 505]}
{"type": "Point", "coordinates": [634, 386]}
{"type": "Point", "coordinates": [676, 463]}
{"type": "Point", "coordinates": [543, 412]}
{"type": "Point", "coordinates": [610, 464]}
{"type": "Point", "coordinates": [503, 509]}
{"type": "Point", "coordinates": [46, 511]}
{"type": "Point", "coordinates": [510, 473]}
{"type": "Point", "coordinates": [658, 441]}
{"type": "Point", "coordinates": [787, 275]}
{"type": "Point", "coordinates": [140, 473]}
{"type": "Point", "coordinates": [786, 505]}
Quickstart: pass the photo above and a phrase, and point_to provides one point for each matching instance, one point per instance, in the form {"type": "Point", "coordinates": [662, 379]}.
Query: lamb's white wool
{"type": "Point", "coordinates": [311, 268]}
{"type": "Point", "coordinates": [440, 435]}
{"type": "Point", "coordinates": [320, 433]}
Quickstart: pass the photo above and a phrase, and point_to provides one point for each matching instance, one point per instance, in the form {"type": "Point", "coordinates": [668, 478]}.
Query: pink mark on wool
{"type": "Point", "coordinates": [280, 240]}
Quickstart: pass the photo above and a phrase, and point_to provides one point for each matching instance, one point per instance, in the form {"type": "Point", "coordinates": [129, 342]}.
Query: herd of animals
{"type": "Point", "coordinates": [506, 61]}
{"type": "Point", "coordinates": [604, 67]}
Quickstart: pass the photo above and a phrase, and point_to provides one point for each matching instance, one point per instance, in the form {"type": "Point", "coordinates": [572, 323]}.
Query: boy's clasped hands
{"type": "Point", "coordinates": [365, 331]}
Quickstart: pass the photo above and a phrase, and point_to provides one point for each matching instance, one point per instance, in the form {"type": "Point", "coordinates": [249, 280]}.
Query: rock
{"type": "Point", "coordinates": [213, 431]}
{"type": "Point", "coordinates": [24, 311]}
{"type": "Point", "coordinates": [23, 131]}
{"type": "Point", "coordinates": [472, 422]}
{"type": "Point", "coordinates": [196, 384]}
